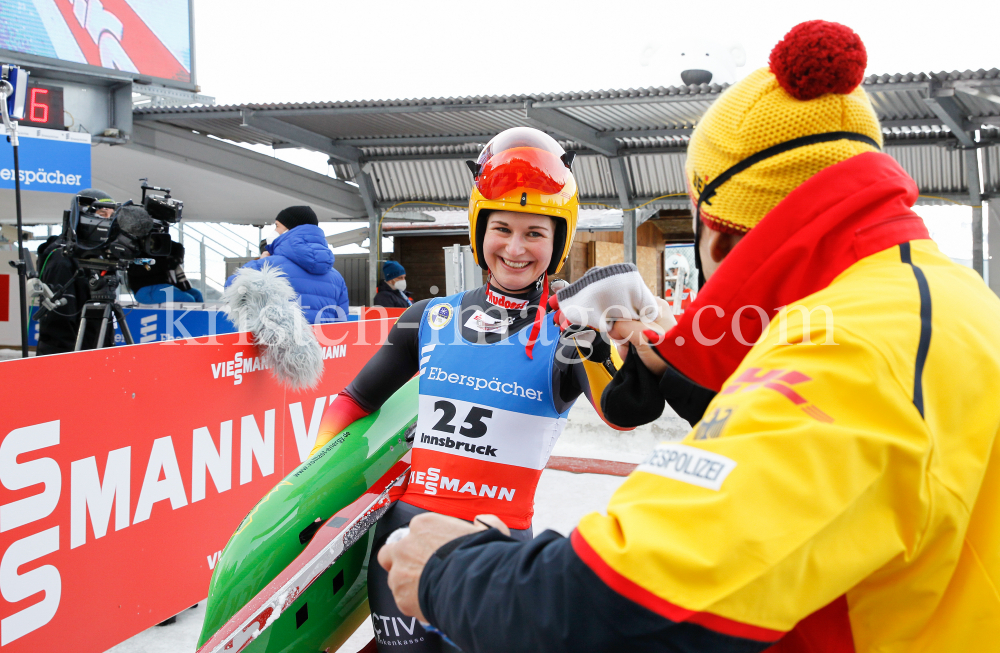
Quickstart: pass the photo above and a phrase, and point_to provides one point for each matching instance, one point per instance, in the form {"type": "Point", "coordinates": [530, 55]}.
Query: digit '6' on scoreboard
{"type": "Point", "coordinates": [44, 107]}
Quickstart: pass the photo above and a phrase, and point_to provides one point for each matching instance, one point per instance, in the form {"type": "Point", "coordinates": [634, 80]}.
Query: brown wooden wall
{"type": "Point", "coordinates": [647, 235]}
{"type": "Point", "coordinates": [423, 259]}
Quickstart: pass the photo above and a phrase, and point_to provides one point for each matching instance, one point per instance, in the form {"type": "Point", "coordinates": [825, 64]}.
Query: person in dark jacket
{"type": "Point", "coordinates": [164, 280]}
{"type": "Point", "coordinates": [302, 253]}
{"type": "Point", "coordinates": [392, 289]}
{"type": "Point", "coordinates": [57, 329]}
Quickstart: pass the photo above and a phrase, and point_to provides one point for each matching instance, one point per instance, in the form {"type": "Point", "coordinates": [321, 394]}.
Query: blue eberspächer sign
{"type": "Point", "coordinates": [155, 324]}
{"type": "Point", "coordinates": [52, 160]}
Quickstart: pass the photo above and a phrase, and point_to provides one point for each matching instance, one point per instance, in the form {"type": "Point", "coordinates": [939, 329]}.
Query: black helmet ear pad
{"type": "Point", "coordinates": [480, 235]}
{"type": "Point", "coordinates": [558, 245]}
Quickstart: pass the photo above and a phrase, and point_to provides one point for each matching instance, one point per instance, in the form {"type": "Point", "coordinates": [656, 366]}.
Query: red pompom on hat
{"type": "Point", "coordinates": [818, 57]}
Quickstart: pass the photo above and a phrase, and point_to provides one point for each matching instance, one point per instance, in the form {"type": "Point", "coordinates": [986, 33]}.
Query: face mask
{"type": "Point", "coordinates": [400, 285]}
{"type": "Point", "coordinates": [270, 235]}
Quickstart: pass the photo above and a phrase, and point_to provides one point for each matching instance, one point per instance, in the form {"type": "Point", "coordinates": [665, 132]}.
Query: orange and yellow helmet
{"type": "Point", "coordinates": [527, 171]}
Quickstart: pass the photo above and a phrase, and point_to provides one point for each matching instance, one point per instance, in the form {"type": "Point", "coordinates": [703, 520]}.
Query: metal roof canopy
{"type": "Point", "coordinates": [218, 182]}
{"type": "Point", "coordinates": [630, 143]}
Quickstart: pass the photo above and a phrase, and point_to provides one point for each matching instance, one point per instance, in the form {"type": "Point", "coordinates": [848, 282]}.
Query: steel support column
{"type": "Point", "coordinates": [994, 243]}
{"type": "Point", "coordinates": [619, 172]}
{"type": "Point", "coordinates": [975, 196]}
{"type": "Point", "coordinates": [943, 103]}
{"type": "Point", "coordinates": [370, 200]}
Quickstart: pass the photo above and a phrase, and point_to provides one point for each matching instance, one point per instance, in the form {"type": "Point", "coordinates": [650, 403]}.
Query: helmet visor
{"type": "Point", "coordinates": [525, 168]}
{"type": "Point", "coordinates": [522, 158]}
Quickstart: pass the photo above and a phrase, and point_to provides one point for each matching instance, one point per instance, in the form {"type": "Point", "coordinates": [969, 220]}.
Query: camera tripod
{"type": "Point", "coordinates": [103, 303]}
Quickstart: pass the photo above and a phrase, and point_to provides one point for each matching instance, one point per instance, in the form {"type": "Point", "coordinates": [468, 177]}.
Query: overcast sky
{"type": "Point", "coordinates": [319, 50]}
{"type": "Point", "coordinates": [314, 50]}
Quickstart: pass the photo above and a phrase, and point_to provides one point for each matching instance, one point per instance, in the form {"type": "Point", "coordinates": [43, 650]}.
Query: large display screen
{"type": "Point", "coordinates": [144, 37]}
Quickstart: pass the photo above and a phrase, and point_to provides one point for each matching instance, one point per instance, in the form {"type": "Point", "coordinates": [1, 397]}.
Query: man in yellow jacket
{"type": "Point", "coordinates": [841, 493]}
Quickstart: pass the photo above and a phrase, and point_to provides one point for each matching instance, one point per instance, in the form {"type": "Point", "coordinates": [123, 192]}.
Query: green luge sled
{"type": "Point", "coordinates": [280, 526]}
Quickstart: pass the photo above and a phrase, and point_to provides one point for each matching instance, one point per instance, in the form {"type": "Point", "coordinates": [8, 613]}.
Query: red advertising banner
{"type": "Point", "coordinates": [125, 471]}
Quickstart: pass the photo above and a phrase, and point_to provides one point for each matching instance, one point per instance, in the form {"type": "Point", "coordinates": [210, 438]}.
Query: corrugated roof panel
{"type": "Point", "coordinates": [891, 104]}
{"type": "Point", "coordinates": [435, 171]}
{"type": "Point", "coordinates": [376, 125]}
{"type": "Point", "coordinates": [422, 180]}
{"type": "Point", "coordinates": [979, 107]}
{"type": "Point", "coordinates": [593, 177]}
{"type": "Point", "coordinates": [670, 115]}
{"type": "Point", "coordinates": [469, 151]}
{"type": "Point", "coordinates": [935, 168]}
{"type": "Point", "coordinates": [228, 129]}
{"type": "Point", "coordinates": [653, 175]}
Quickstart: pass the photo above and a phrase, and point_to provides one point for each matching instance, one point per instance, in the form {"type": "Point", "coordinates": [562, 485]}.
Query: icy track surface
{"type": "Point", "coordinates": [562, 499]}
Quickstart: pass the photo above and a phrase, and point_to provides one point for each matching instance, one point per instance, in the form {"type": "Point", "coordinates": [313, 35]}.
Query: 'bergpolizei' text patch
{"type": "Point", "coordinates": [688, 465]}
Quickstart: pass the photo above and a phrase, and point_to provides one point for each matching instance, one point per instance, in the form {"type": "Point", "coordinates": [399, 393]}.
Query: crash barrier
{"type": "Point", "coordinates": [179, 321]}
{"type": "Point", "coordinates": [126, 470]}
{"type": "Point", "coordinates": [159, 324]}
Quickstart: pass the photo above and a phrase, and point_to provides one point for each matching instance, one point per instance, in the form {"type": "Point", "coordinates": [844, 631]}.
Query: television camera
{"type": "Point", "coordinates": [131, 232]}
{"type": "Point", "coordinates": [105, 238]}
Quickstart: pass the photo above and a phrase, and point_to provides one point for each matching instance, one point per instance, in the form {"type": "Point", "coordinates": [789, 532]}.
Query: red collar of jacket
{"type": "Point", "coordinates": [839, 216]}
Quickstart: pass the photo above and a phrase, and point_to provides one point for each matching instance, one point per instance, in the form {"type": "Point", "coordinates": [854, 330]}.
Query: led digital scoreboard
{"type": "Point", "coordinates": [43, 107]}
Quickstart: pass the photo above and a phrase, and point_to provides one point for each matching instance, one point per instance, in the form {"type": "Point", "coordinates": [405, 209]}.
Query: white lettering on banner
{"type": "Point", "coordinates": [17, 476]}
{"type": "Point", "coordinates": [89, 493]}
{"type": "Point", "coordinates": [239, 365]}
{"type": "Point", "coordinates": [217, 462]}
{"type": "Point", "coordinates": [147, 328]}
{"type": "Point", "coordinates": [334, 351]}
{"type": "Point", "coordinates": [161, 459]}
{"type": "Point", "coordinates": [305, 439]}
{"type": "Point", "coordinates": [689, 465]}
{"type": "Point", "coordinates": [100, 492]}
{"type": "Point", "coordinates": [253, 446]}
{"type": "Point", "coordinates": [28, 177]}
{"type": "Point", "coordinates": [479, 383]}
{"type": "Point", "coordinates": [16, 587]}
{"type": "Point", "coordinates": [433, 481]}
{"type": "Point", "coordinates": [491, 434]}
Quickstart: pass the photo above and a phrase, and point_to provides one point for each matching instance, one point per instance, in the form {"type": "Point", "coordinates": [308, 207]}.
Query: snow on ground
{"type": "Point", "coordinates": [179, 637]}
{"type": "Point", "coordinates": [7, 353]}
{"type": "Point", "coordinates": [587, 436]}
{"type": "Point", "coordinates": [561, 500]}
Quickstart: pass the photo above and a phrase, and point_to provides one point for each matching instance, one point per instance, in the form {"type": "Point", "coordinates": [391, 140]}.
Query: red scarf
{"type": "Point", "coordinates": [839, 216]}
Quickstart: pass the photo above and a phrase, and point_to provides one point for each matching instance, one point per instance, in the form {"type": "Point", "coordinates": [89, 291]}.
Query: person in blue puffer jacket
{"type": "Point", "coordinates": [302, 253]}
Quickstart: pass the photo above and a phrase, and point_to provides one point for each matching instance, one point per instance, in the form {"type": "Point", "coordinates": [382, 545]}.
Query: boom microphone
{"type": "Point", "coordinates": [135, 221]}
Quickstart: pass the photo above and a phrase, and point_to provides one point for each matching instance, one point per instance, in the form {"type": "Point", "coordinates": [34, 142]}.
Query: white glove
{"type": "Point", "coordinates": [606, 295]}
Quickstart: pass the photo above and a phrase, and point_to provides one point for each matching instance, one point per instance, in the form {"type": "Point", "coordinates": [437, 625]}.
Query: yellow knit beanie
{"type": "Point", "coordinates": [780, 125]}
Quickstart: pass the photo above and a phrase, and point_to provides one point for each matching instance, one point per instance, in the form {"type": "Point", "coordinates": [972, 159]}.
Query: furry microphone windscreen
{"type": "Point", "coordinates": [135, 221]}
{"type": "Point", "coordinates": [264, 303]}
